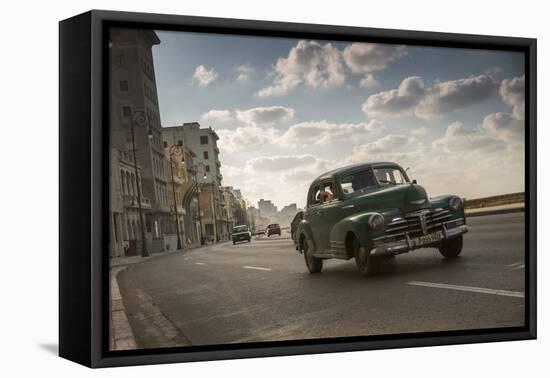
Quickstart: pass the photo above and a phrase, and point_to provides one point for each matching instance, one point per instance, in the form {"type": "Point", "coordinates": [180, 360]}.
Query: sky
{"type": "Point", "coordinates": [287, 110]}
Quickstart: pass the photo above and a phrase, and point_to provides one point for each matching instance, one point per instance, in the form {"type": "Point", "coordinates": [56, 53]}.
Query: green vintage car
{"type": "Point", "coordinates": [373, 211]}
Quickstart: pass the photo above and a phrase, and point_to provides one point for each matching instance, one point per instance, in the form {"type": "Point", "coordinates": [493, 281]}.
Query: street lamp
{"type": "Point", "coordinates": [199, 216]}
{"type": "Point", "coordinates": [175, 150]}
{"type": "Point", "coordinates": [139, 118]}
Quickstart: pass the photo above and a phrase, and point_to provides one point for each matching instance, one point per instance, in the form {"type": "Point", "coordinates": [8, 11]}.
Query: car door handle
{"type": "Point", "coordinates": [348, 207]}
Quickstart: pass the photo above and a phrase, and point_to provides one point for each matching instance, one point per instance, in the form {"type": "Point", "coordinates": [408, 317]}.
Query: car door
{"type": "Point", "coordinates": [328, 214]}
{"type": "Point", "coordinates": [311, 215]}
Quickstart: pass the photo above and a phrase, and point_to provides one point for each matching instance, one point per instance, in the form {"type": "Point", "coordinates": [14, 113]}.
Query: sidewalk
{"type": "Point", "coordinates": [121, 336]}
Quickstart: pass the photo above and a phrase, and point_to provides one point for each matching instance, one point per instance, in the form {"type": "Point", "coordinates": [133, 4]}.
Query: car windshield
{"type": "Point", "coordinates": [390, 176]}
{"type": "Point", "coordinates": [240, 229]}
{"type": "Point", "coordinates": [273, 226]}
{"type": "Point", "coordinates": [358, 181]}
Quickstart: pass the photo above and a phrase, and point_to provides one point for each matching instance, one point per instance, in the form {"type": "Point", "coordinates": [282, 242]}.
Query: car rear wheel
{"type": "Point", "coordinates": [314, 264]}
{"type": "Point", "coordinates": [367, 265]}
{"type": "Point", "coordinates": [451, 248]}
{"type": "Point", "coordinates": [233, 242]}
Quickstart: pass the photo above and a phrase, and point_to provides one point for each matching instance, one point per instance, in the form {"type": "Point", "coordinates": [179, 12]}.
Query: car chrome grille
{"type": "Point", "coordinates": [415, 224]}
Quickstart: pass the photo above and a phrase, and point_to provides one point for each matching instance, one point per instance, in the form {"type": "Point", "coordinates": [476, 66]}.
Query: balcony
{"type": "Point", "coordinates": [131, 201]}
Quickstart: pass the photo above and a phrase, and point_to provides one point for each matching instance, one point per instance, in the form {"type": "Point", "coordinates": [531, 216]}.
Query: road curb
{"type": "Point", "coordinates": [495, 212]}
{"type": "Point", "coordinates": [121, 336]}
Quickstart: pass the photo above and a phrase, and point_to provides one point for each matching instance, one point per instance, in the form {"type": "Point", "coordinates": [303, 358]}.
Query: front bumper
{"type": "Point", "coordinates": [241, 237]}
{"type": "Point", "coordinates": [408, 244]}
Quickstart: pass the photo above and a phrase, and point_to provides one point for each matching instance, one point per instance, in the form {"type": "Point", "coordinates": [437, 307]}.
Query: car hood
{"type": "Point", "coordinates": [240, 233]}
{"type": "Point", "coordinates": [407, 198]}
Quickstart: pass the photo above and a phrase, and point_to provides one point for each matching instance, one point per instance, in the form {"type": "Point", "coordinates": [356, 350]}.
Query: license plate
{"type": "Point", "coordinates": [428, 239]}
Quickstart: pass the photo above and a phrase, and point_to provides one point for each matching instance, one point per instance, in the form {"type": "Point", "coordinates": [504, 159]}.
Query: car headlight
{"type": "Point", "coordinates": [455, 203]}
{"type": "Point", "coordinates": [376, 222]}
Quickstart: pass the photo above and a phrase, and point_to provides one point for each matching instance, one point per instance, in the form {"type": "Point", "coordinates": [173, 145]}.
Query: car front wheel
{"type": "Point", "coordinates": [367, 265]}
{"type": "Point", "coordinates": [451, 248]}
{"type": "Point", "coordinates": [314, 264]}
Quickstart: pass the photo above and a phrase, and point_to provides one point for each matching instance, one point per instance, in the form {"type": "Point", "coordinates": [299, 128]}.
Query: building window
{"type": "Point", "coordinates": [204, 139]}
{"type": "Point", "coordinates": [126, 111]}
{"type": "Point", "coordinates": [165, 144]}
{"type": "Point", "coordinates": [207, 168]}
{"type": "Point", "coordinates": [180, 142]}
{"type": "Point", "coordinates": [123, 84]}
{"type": "Point", "coordinates": [205, 154]}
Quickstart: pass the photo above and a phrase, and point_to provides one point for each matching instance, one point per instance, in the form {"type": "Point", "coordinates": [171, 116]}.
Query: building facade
{"type": "Point", "coordinates": [206, 165]}
{"type": "Point", "coordinates": [134, 107]}
{"type": "Point", "coordinates": [267, 209]}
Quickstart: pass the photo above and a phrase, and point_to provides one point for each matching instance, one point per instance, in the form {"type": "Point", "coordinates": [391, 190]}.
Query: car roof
{"type": "Point", "coordinates": [241, 225]}
{"type": "Point", "coordinates": [343, 170]}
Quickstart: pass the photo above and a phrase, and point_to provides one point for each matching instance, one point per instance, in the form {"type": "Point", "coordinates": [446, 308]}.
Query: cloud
{"type": "Point", "coordinates": [494, 71]}
{"type": "Point", "coordinates": [458, 137]}
{"type": "Point", "coordinates": [512, 92]}
{"type": "Point", "coordinates": [217, 115]}
{"type": "Point", "coordinates": [308, 63]}
{"type": "Point", "coordinates": [323, 132]}
{"type": "Point", "coordinates": [369, 57]}
{"type": "Point", "coordinates": [204, 76]}
{"type": "Point", "coordinates": [369, 81]}
{"type": "Point", "coordinates": [265, 115]}
{"type": "Point", "coordinates": [279, 163]}
{"type": "Point", "coordinates": [398, 101]}
{"type": "Point", "coordinates": [386, 145]}
{"type": "Point", "coordinates": [419, 131]}
{"type": "Point", "coordinates": [445, 97]}
{"type": "Point", "coordinates": [505, 127]}
{"type": "Point", "coordinates": [248, 137]}
{"type": "Point", "coordinates": [244, 71]}
{"type": "Point", "coordinates": [413, 96]}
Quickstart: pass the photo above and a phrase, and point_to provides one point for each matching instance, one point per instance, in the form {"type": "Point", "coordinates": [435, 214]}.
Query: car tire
{"type": "Point", "coordinates": [451, 248]}
{"type": "Point", "coordinates": [367, 265]}
{"type": "Point", "coordinates": [313, 264]}
{"type": "Point", "coordinates": [249, 240]}
{"type": "Point", "coordinates": [233, 242]}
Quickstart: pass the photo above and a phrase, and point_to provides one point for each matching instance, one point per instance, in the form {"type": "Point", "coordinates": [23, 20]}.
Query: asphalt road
{"type": "Point", "coordinates": [261, 291]}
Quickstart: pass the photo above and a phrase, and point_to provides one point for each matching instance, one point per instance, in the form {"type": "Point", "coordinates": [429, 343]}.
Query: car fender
{"type": "Point", "coordinates": [304, 229]}
{"type": "Point", "coordinates": [357, 224]}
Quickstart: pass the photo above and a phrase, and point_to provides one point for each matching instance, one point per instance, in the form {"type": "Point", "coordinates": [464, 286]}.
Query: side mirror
{"type": "Point", "coordinates": [414, 182]}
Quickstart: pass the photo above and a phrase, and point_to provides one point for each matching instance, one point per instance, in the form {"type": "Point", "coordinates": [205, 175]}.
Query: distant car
{"type": "Point", "coordinates": [294, 225]}
{"type": "Point", "coordinates": [373, 211]}
{"type": "Point", "coordinates": [241, 233]}
{"type": "Point", "coordinates": [273, 229]}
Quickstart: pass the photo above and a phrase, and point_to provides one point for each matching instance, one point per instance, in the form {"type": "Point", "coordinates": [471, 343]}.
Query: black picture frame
{"type": "Point", "coordinates": [83, 181]}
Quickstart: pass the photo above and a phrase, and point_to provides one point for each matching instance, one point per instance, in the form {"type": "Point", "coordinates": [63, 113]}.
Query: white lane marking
{"type": "Point", "coordinates": [516, 263]}
{"type": "Point", "coordinates": [473, 289]}
{"type": "Point", "coordinates": [521, 266]}
{"type": "Point", "coordinates": [199, 263]}
{"type": "Point", "coordinates": [257, 268]}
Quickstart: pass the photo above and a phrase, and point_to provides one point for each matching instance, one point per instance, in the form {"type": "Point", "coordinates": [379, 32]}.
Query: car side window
{"type": "Point", "coordinates": [315, 196]}
{"type": "Point", "coordinates": [327, 192]}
